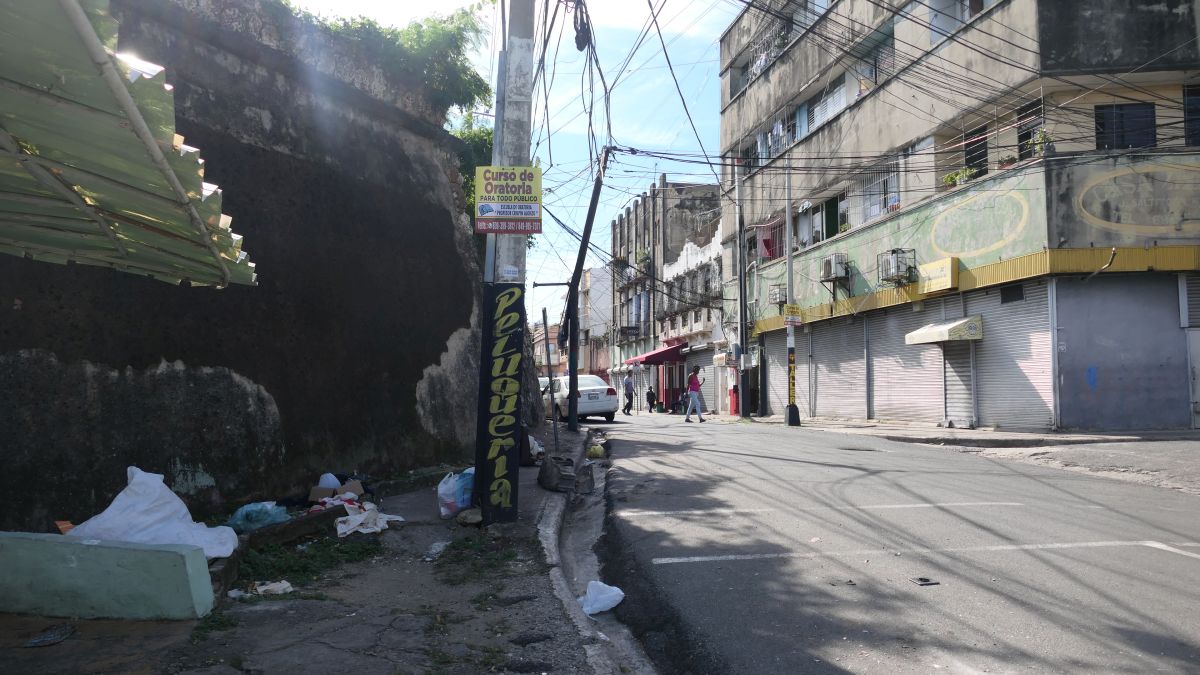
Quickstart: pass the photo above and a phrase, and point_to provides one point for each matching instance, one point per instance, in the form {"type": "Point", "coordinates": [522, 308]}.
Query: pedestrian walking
{"type": "Point", "coordinates": [628, 383]}
{"type": "Point", "coordinates": [693, 392]}
{"type": "Point", "coordinates": [651, 399]}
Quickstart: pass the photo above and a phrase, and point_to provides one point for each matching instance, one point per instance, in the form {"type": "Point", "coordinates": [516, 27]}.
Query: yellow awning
{"type": "Point", "coordinates": [970, 328]}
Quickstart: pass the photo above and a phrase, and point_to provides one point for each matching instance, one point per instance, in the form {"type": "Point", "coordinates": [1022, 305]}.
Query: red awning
{"type": "Point", "coordinates": [661, 355]}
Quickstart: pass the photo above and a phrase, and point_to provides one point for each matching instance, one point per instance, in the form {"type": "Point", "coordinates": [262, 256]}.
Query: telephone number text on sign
{"type": "Point", "coordinates": [508, 226]}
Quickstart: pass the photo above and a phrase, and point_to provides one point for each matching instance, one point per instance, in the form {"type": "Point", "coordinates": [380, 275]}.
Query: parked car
{"type": "Point", "coordinates": [544, 387]}
{"type": "Point", "coordinates": [596, 398]}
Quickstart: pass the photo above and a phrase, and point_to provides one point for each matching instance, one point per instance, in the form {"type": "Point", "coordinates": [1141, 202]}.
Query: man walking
{"type": "Point", "coordinates": [693, 390]}
{"type": "Point", "coordinates": [628, 383]}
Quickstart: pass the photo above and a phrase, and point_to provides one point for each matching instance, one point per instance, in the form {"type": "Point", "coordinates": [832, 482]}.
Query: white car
{"type": "Point", "coordinates": [596, 398]}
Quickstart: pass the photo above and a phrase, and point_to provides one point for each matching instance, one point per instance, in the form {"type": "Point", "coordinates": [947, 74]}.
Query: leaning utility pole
{"type": "Point", "coordinates": [498, 429]}
{"type": "Point", "coordinates": [573, 300]}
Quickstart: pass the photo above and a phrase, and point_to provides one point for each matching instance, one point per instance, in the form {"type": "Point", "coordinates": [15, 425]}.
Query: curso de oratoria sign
{"type": "Point", "coordinates": [508, 200]}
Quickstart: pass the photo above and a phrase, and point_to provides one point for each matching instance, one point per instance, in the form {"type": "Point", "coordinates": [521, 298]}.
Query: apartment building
{"type": "Point", "coordinates": [544, 354]}
{"type": "Point", "coordinates": [656, 314]}
{"type": "Point", "coordinates": [994, 203]}
{"type": "Point", "coordinates": [595, 322]}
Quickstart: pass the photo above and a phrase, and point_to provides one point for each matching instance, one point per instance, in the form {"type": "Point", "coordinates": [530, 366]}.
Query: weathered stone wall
{"type": "Point", "coordinates": [364, 327]}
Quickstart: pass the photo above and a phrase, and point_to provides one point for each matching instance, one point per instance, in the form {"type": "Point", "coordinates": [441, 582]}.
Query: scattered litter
{"type": "Point", "coordinates": [814, 540]}
{"type": "Point", "coordinates": [366, 519]}
{"type": "Point", "coordinates": [257, 515]}
{"type": "Point", "coordinates": [924, 581]}
{"type": "Point", "coordinates": [329, 485]}
{"type": "Point", "coordinates": [64, 526]}
{"type": "Point", "coordinates": [51, 636]}
{"type": "Point", "coordinates": [848, 582]}
{"type": "Point", "coordinates": [271, 588]}
{"type": "Point", "coordinates": [536, 449]}
{"type": "Point", "coordinates": [147, 512]}
{"type": "Point", "coordinates": [328, 480]}
{"type": "Point", "coordinates": [435, 551]}
{"type": "Point", "coordinates": [236, 593]}
{"type": "Point", "coordinates": [454, 492]}
{"type": "Point", "coordinates": [596, 452]}
{"type": "Point", "coordinates": [600, 597]}
{"type": "Point", "coordinates": [348, 500]}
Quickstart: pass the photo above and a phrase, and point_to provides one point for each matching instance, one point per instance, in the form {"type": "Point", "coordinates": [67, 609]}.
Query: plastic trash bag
{"type": "Point", "coordinates": [147, 512]}
{"type": "Point", "coordinates": [328, 480]}
{"type": "Point", "coordinates": [366, 519]}
{"type": "Point", "coordinates": [600, 597]}
{"type": "Point", "coordinates": [253, 516]}
{"type": "Point", "coordinates": [447, 496]}
{"type": "Point", "coordinates": [463, 488]}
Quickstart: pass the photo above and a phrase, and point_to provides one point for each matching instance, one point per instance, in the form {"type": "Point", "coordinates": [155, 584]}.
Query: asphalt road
{"type": "Point", "coordinates": [755, 548]}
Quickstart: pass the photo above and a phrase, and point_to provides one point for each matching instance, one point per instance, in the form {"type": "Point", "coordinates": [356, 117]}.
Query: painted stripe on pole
{"type": "Point", "coordinates": [961, 549]}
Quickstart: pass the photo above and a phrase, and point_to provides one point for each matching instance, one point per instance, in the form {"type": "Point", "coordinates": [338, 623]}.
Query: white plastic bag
{"type": "Point", "coordinates": [464, 486]}
{"type": "Point", "coordinates": [147, 512]}
{"type": "Point", "coordinates": [447, 495]}
{"type": "Point", "coordinates": [367, 520]}
{"type": "Point", "coordinates": [600, 597]}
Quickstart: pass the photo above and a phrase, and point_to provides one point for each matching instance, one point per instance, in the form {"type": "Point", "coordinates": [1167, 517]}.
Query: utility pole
{"type": "Point", "coordinates": [793, 413]}
{"type": "Point", "coordinates": [743, 320]}
{"type": "Point", "coordinates": [501, 364]}
{"type": "Point", "coordinates": [573, 299]}
{"type": "Point", "coordinates": [549, 376]}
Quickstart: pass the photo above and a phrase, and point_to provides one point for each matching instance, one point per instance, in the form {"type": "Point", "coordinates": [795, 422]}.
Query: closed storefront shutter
{"type": "Point", "coordinates": [959, 409]}
{"type": "Point", "coordinates": [775, 347]}
{"type": "Point", "coordinates": [1193, 300]}
{"type": "Point", "coordinates": [803, 377]}
{"type": "Point", "coordinates": [906, 380]}
{"type": "Point", "coordinates": [708, 390]}
{"type": "Point", "coordinates": [1012, 361]}
{"type": "Point", "coordinates": [841, 383]}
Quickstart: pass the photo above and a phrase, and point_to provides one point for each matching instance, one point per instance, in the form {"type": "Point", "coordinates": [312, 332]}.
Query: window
{"type": "Point", "coordinates": [975, 150]}
{"type": "Point", "coordinates": [830, 102]}
{"type": "Point", "coordinates": [770, 239]}
{"type": "Point", "coordinates": [947, 16]}
{"type": "Point", "coordinates": [1191, 115]}
{"type": "Point", "coordinates": [875, 61]}
{"type": "Point", "coordinates": [1029, 120]}
{"type": "Point", "coordinates": [806, 12]}
{"type": "Point", "coordinates": [1128, 125]}
{"type": "Point", "coordinates": [878, 192]}
{"type": "Point", "coordinates": [1012, 294]}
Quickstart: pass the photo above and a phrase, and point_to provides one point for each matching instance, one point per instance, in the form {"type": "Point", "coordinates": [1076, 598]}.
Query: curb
{"type": "Point", "coordinates": [549, 528]}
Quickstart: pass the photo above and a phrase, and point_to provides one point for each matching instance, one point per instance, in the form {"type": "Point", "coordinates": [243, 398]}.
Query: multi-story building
{"type": "Point", "coordinates": [556, 358]}
{"type": "Point", "coordinates": [595, 321]}
{"type": "Point", "coordinates": [654, 230]}
{"type": "Point", "coordinates": [995, 207]}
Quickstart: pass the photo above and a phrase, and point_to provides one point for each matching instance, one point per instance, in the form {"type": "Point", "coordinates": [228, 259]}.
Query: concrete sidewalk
{"type": "Point", "coordinates": [1169, 459]}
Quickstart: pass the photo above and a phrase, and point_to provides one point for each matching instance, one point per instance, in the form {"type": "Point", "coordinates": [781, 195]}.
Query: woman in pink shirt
{"type": "Point", "coordinates": [694, 383]}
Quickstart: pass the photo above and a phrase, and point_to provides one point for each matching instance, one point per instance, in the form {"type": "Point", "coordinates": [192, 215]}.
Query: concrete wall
{"type": "Point", "coordinates": [348, 195]}
{"type": "Point", "coordinates": [1118, 35]}
{"type": "Point", "coordinates": [1122, 357]}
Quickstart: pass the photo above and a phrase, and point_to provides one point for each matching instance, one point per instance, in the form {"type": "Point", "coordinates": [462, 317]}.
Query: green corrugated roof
{"type": "Point", "coordinates": [63, 131]}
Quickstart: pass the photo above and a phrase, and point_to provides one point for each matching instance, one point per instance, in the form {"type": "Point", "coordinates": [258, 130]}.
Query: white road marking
{"type": "Point", "coordinates": [637, 513]}
{"type": "Point", "coordinates": [961, 549]}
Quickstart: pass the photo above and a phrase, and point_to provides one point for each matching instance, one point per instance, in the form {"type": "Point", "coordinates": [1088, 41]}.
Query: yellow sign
{"type": "Point", "coordinates": [941, 275]}
{"type": "Point", "coordinates": [508, 200]}
{"type": "Point", "coordinates": [792, 310]}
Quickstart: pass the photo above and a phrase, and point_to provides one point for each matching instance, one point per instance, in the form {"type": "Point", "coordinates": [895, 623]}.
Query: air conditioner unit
{"type": "Point", "coordinates": [833, 267]}
{"type": "Point", "coordinates": [777, 295]}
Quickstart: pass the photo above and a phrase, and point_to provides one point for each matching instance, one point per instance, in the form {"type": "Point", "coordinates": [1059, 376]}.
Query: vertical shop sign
{"type": "Point", "coordinates": [497, 432]}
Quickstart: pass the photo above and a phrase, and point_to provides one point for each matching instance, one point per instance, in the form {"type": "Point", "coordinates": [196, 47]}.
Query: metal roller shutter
{"type": "Point", "coordinates": [1012, 361]}
{"type": "Point", "coordinates": [708, 390]}
{"type": "Point", "coordinates": [775, 351]}
{"type": "Point", "coordinates": [841, 379]}
{"type": "Point", "coordinates": [959, 409]}
{"type": "Point", "coordinates": [803, 377]}
{"type": "Point", "coordinates": [906, 380]}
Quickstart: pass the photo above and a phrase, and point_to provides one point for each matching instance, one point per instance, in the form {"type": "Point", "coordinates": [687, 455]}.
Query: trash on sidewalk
{"type": "Point", "coordinates": [924, 581]}
{"type": "Point", "coordinates": [250, 517]}
{"type": "Point", "coordinates": [348, 500]}
{"type": "Point", "coordinates": [271, 588]}
{"type": "Point", "coordinates": [435, 551]}
{"type": "Point", "coordinates": [64, 526]}
{"type": "Point", "coordinates": [557, 475]}
{"type": "Point", "coordinates": [147, 512]}
{"type": "Point", "coordinates": [454, 492]}
{"type": "Point", "coordinates": [51, 636]}
{"type": "Point", "coordinates": [329, 486]}
{"type": "Point", "coordinates": [536, 449]}
{"type": "Point", "coordinates": [596, 452]}
{"type": "Point", "coordinates": [366, 519]}
{"type": "Point", "coordinates": [236, 593]}
{"type": "Point", "coordinates": [600, 597]}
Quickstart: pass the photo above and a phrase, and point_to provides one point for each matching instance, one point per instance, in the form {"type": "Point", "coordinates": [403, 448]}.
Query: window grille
{"type": "Point", "coordinates": [877, 191]}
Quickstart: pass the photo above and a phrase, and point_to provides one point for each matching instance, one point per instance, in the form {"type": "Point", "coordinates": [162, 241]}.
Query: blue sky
{"type": "Point", "coordinates": [646, 111]}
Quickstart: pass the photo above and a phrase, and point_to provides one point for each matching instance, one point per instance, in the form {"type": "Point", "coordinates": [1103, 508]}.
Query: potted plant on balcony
{"type": "Point", "coordinates": [1042, 143]}
{"type": "Point", "coordinates": [1007, 161]}
{"type": "Point", "coordinates": [959, 177]}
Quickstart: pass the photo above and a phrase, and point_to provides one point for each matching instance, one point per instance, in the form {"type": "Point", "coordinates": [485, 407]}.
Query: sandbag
{"type": "Point", "coordinates": [147, 512]}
